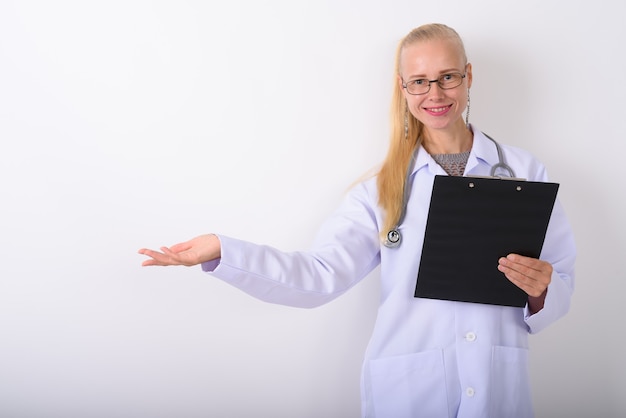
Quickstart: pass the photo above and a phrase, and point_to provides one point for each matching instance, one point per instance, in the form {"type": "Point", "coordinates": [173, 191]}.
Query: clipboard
{"type": "Point", "coordinates": [472, 222]}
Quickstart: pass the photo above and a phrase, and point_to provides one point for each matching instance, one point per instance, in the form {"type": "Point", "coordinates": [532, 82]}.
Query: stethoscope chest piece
{"type": "Point", "coordinates": [393, 239]}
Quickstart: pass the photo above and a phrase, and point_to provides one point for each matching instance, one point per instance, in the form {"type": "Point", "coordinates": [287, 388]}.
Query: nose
{"type": "Point", "coordinates": [435, 89]}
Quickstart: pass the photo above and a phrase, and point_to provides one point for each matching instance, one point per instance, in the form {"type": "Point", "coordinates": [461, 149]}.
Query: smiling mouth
{"type": "Point", "coordinates": [437, 109]}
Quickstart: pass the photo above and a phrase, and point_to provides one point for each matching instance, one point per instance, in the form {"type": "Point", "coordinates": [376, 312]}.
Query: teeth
{"type": "Point", "coordinates": [437, 109]}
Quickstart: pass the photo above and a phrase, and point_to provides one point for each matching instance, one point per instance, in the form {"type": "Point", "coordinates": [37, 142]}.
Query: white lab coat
{"type": "Point", "coordinates": [426, 358]}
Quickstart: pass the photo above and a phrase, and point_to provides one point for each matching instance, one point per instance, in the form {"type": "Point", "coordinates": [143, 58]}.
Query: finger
{"type": "Point", "coordinates": [511, 273]}
{"type": "Point", "coordinates": [531, 288]}
{"type": "Point", "coordinates": [510, 267]}
{"type": "Point", "coordinates": [158, 258]}
{"type": "Point", "coordinates": [171, 254]}
{"type": "Point", "coordinates": [517, 279]}
{"type": "Point", "coordinates": [150, 262]}
{"type": "Point", "coordinates": [520, 272]}
{"type": "Point", "coordinates": [183, 246]}
{"type": "Point", "coordinates": [167, 251]}
{"type": "Point", "coordinates": [529, 262]}
{"type": "Point", "coordinates": [526, 265]}
{"type": "Point", "coordinates": [185, 258]}
{"type": "Point", "coordinates": [149, 253]}
{"type": "Point", "coordinates": [531, 281]}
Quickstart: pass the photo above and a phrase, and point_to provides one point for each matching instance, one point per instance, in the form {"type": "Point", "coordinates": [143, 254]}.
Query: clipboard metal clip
{"type": "Point", "coordinates": [497, 178]}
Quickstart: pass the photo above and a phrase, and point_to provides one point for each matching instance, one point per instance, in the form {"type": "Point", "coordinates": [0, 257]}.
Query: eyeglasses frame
{"type": "Point", "coordinates": [404, 83]}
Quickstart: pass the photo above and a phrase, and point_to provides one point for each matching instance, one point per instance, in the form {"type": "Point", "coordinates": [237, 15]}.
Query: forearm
{"type": "Point", "coordinates": [302, 279]}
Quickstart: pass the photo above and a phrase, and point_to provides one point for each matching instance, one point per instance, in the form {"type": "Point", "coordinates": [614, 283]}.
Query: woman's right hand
{"type": "Point", "coordinates": [195, 251]}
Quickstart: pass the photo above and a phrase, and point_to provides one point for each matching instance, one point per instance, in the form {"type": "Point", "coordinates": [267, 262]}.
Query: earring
{"type": "Point", "coordinates": [468, 109]}
{"type": "Point", "coordinates": [406, 122]}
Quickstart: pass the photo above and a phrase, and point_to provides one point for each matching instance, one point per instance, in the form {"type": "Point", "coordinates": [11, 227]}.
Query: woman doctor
{"type": "Point", "coordinates": [426, 357]}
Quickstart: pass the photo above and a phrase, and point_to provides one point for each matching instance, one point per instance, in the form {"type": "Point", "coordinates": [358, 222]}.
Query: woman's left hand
{"type": "Point", "coordinates": [529, 274]}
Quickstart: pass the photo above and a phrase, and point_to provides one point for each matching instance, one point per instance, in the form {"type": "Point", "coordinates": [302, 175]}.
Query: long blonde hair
{"type": "Point", "coordinates": [391, 177]}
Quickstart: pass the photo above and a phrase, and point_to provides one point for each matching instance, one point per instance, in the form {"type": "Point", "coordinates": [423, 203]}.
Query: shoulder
{"type": "Point", "coordinates": [524, 162]}
{"type": "Point", "coordinates": [362, 197]}
{"type": "Point", "coordinates": [518, 152]}
{"type": "Point", "coordinates": [365, 190]}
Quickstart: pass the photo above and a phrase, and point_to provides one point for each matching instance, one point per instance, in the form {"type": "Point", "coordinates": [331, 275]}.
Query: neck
{"type": "Point", "coordinates": [454, 140]}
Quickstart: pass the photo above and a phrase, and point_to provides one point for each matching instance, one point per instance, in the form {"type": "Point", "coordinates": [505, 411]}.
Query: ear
{"type": "Point", "coordinates": [402, 89]}
{"type": "Point", "coordinates": [468, 76]}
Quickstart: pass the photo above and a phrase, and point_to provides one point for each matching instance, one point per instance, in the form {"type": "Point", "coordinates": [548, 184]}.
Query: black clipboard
{"type": "Point", "coordinates": [472, 222]}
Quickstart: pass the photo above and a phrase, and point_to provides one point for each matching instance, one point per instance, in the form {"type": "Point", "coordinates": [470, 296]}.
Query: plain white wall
{"type": "Point", "coordinates": [126, 124]}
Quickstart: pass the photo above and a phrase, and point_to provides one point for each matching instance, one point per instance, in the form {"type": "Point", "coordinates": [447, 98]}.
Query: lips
{"type": "Point", "coordinates": [437, 110]}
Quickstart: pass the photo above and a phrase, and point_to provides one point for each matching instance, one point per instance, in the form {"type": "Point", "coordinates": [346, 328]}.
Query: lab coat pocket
{"type": "Point", "coordinates": [510, 383]}
{"type": "Point", "coordinates": [411, 385]}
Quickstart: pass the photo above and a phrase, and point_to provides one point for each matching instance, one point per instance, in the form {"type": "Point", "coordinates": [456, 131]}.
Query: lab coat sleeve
{"type": "Point", "coordinates": [345, 250]}
{"type": "Point", "coordinates": [558, 249]}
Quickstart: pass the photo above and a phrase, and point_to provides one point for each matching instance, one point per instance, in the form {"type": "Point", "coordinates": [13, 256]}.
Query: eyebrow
{"type": "Point", "coordinates": [447, 71]}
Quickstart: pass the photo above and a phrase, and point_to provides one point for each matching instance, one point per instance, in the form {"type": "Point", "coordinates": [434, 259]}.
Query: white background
{"type": "Point", "coordinates": [126, 124]}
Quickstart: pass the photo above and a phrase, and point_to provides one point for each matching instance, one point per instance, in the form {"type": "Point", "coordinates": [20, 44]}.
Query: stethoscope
{"type": "Point", "coordinates": [394, 238]}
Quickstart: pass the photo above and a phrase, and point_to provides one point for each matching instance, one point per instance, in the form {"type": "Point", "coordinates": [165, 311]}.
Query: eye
{"type": "Point", "coordinates": [418, 82]}
{"type": "Point", "coordinates": [447, 77]}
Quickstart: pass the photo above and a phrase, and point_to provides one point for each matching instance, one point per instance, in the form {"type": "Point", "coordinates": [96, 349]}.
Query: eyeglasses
{"type": "Point", "coordinates": [422, 85]}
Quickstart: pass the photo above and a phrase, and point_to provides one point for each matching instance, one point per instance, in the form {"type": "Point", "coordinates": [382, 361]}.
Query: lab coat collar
{"type": "Point", "coordinates": [483, 152]}
{"type": "Point", "coordinates": [424, 159]}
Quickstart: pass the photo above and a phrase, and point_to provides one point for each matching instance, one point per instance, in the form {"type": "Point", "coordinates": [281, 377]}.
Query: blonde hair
{"type": "Point", "coordinates": [391, 177]}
